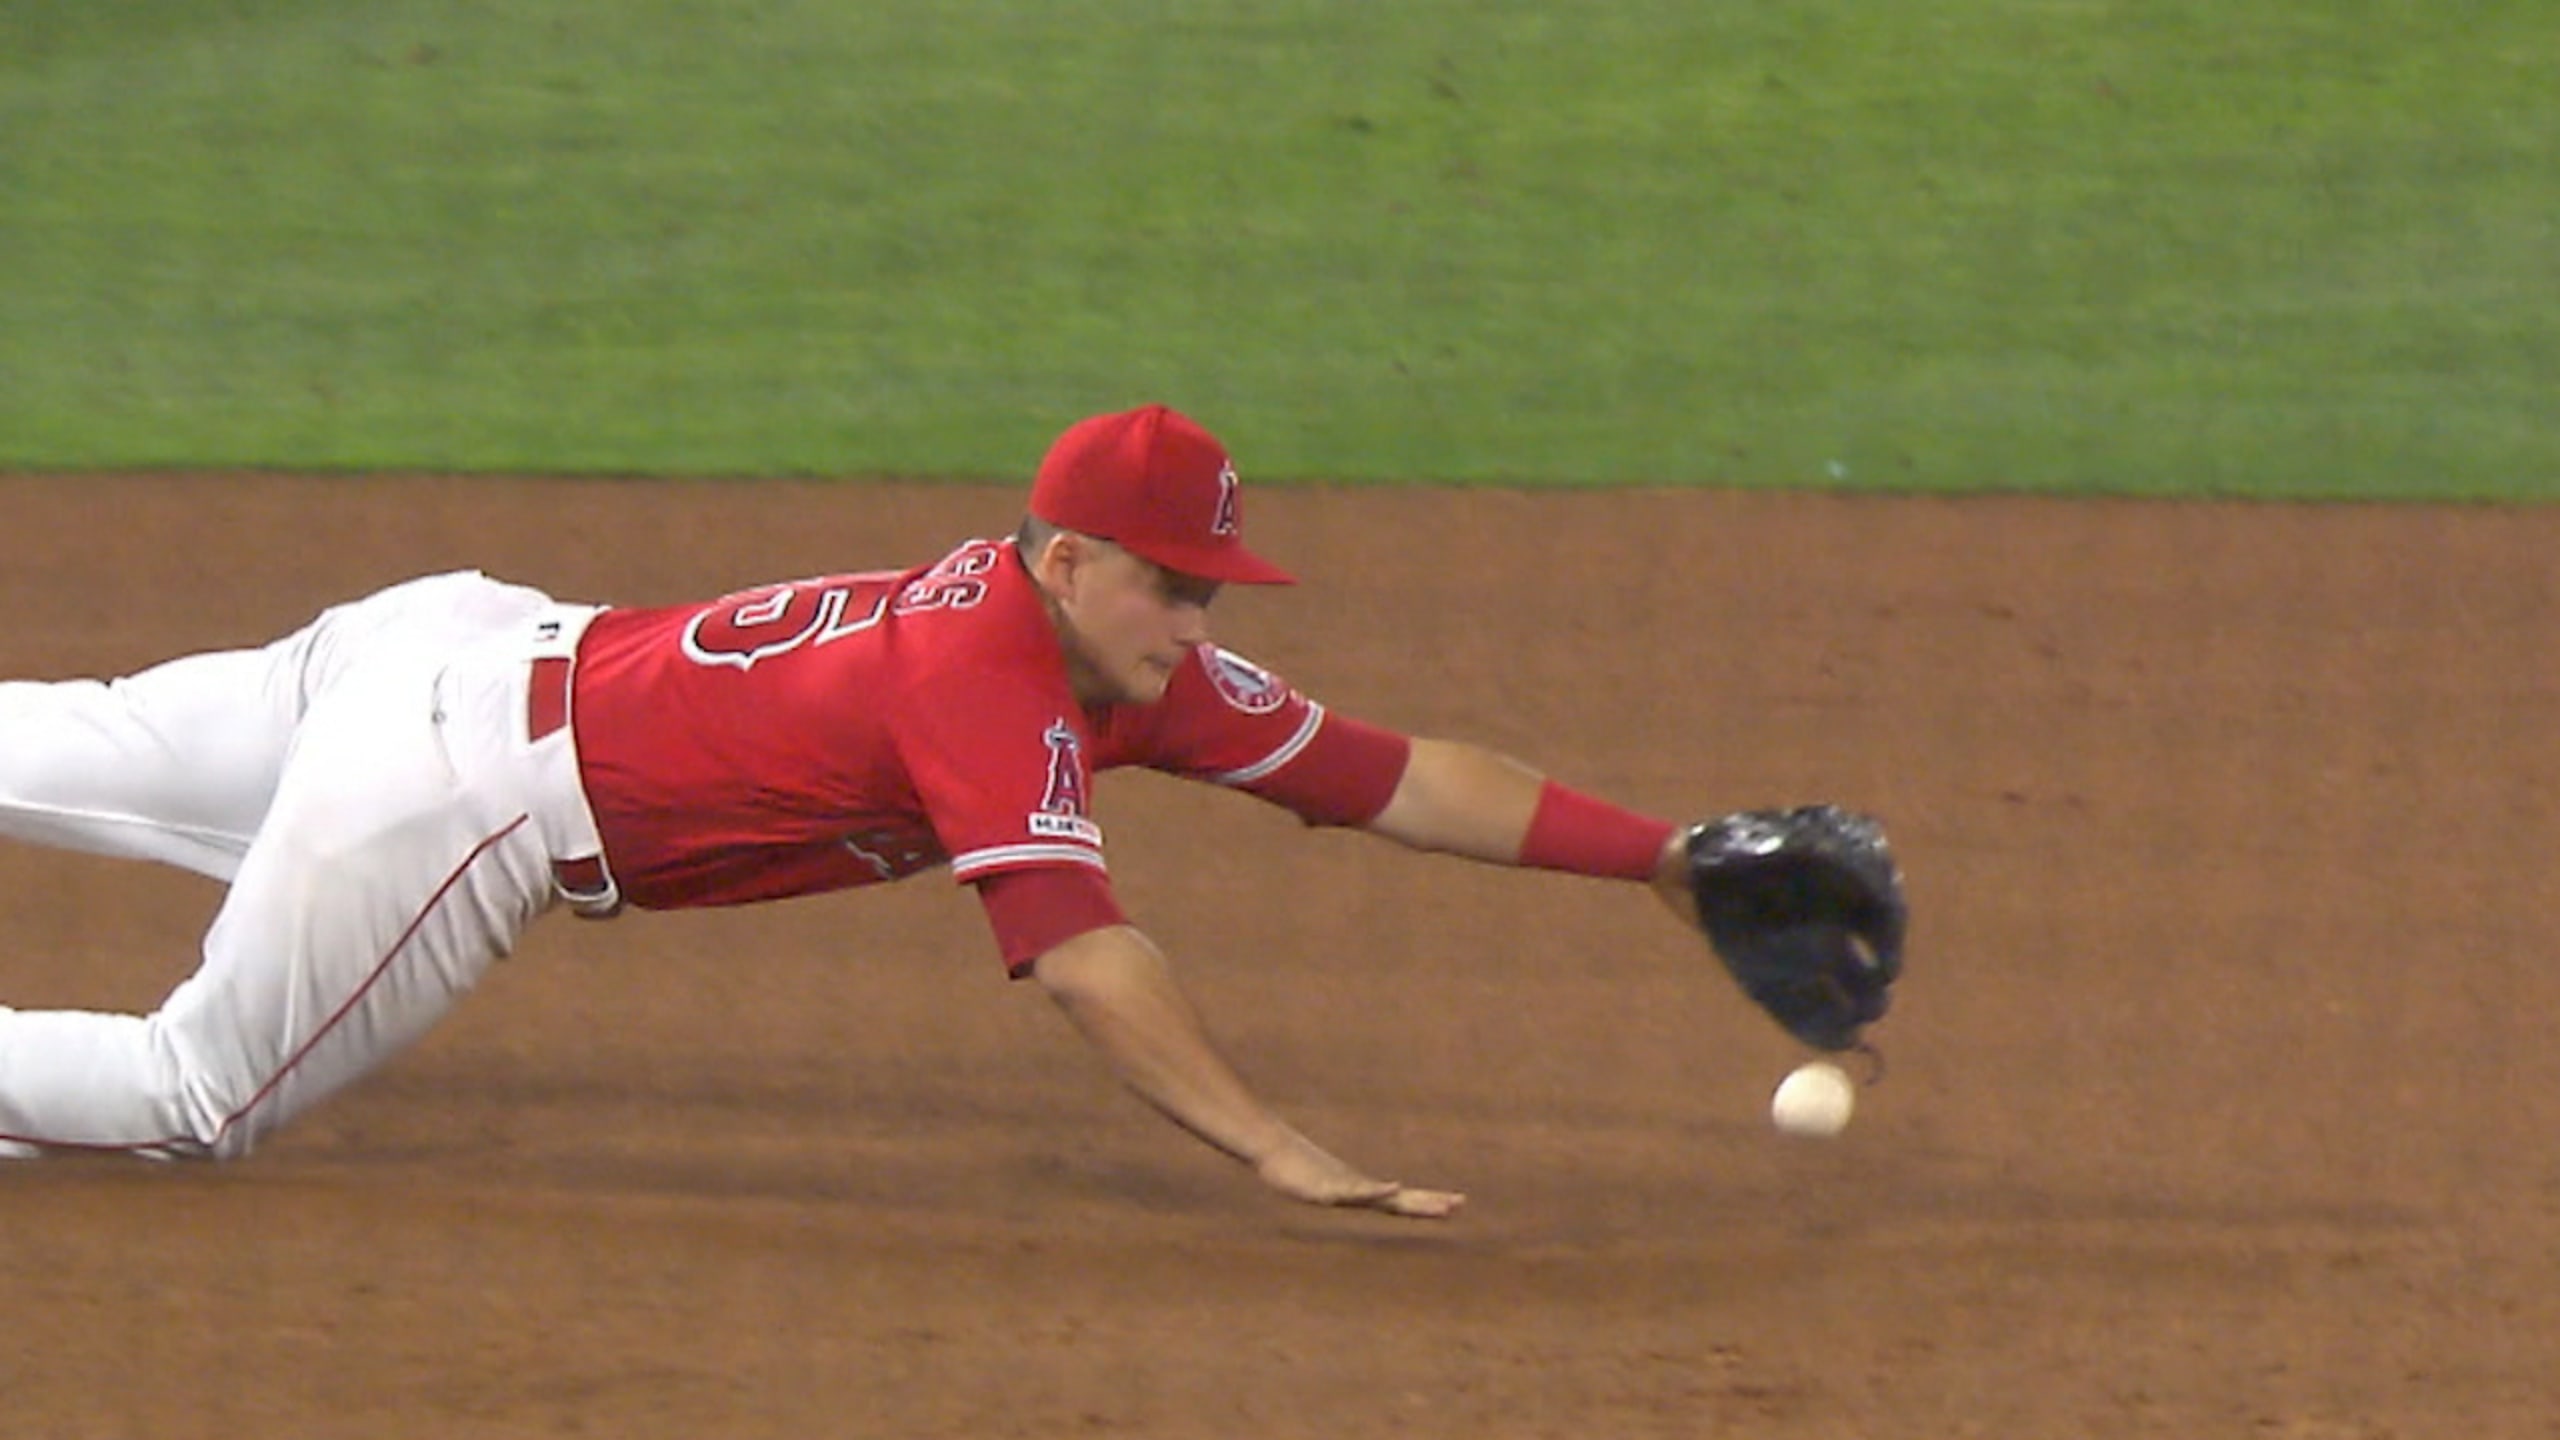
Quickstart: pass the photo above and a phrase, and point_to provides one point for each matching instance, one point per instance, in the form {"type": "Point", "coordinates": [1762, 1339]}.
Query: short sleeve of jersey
{"type": "Point", "coordinates": [1034, 911]}
{"type": "Point", "coordinates": [1002, 772]}
{"type": "Point", "coordinates": [1228, 721]}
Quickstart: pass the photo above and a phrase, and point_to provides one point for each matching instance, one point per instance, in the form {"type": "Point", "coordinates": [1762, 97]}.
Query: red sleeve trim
{"type": "Point", "coordinates": [1035, 911]}
{"type": "Point", "coordinates": [1345, 775]}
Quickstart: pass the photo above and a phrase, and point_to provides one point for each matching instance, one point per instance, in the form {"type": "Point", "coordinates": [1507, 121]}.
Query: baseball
{"type": "Point", "coordinates": [1814, 1100]}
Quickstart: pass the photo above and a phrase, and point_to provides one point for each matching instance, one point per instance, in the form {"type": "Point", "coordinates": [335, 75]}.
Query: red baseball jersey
{"type": "Point", "coordinates": [853, 729]}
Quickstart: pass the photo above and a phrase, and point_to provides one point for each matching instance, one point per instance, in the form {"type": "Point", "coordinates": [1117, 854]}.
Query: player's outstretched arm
{"type": "Point", "coordinates": [1462, 799]}
{"type": "Point", "coordinates": [1119, 990]}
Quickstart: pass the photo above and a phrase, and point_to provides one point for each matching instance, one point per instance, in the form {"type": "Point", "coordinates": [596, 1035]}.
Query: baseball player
{"type": "Point", "coordinates": [396, 790]}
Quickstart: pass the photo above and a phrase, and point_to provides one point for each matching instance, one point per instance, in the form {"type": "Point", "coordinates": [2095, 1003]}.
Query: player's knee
{"type": "Point", "coordinates": [201, 1128]}
{"type": "Point", "coordinates": [221, 1125]}
{"type": "Point", "coordinates": [205, 1114]}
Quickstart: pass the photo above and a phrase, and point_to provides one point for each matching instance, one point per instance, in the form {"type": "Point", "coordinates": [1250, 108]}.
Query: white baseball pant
{"type": "Point", "coordinates": [368, 787]}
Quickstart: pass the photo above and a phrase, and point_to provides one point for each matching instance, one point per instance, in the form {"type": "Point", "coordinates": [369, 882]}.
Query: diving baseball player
{"type": "Point", "coordinates": [395, 791]}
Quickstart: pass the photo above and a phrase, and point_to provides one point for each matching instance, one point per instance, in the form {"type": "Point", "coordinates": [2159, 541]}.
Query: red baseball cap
{"type": "Point", "coordinates": [1157, 485]}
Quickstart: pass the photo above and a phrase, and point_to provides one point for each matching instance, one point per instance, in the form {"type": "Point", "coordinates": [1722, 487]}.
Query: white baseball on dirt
{"type": "Point", "coordinates": [1815, 1100]}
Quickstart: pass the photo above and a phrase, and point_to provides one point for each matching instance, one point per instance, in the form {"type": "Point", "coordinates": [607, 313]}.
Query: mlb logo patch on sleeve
{"type": "Point", "coordinates": [1066, 827]}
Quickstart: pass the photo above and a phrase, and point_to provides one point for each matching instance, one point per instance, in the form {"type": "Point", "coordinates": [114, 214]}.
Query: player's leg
{"type": "Point", "coordinates": [178, 763]}
{"type": "Point", "coordinates": [381, 888]}
{"type": "Point", "coordinates": [174, 764]}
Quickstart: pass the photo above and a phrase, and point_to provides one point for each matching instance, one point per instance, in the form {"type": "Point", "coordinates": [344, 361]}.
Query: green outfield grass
{"type": "Point", "coordinates": [2300, 247]}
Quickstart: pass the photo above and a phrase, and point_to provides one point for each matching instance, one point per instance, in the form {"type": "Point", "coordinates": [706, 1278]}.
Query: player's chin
{"type": "Point", "coordinates": [1146, 684]}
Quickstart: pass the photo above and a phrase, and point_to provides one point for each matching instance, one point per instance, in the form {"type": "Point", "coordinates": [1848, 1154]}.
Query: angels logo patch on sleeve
{"type": "Point", "coordinates": [1241, 683]}
{"type": "Point", "coordinates": [1063, 805]}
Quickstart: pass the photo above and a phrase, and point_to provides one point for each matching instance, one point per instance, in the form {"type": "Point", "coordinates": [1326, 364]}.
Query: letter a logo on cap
{"type": "Point", "coordinates": [1227, 522]}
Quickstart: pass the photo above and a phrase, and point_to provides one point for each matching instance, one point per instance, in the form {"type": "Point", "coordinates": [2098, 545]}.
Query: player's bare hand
{"type": "Point", "coordinates": [1413, 1202]}
{"type": "Point", "coordinates": [1305, 1171]}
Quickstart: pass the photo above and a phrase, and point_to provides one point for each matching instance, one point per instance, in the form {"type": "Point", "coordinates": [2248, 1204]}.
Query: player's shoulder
{"type": "Point", "coordinates": [1224, 677]}
{"type": "Point", "coordinates": [961, 574]}
{"type": "Point", "coordinates": [977, 640]}
{"type": "Point", "coordinates": [1216, 691]}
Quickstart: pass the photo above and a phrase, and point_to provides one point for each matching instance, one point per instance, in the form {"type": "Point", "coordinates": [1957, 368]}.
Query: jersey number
{"type": "Point", "coordinates": [761, 624]}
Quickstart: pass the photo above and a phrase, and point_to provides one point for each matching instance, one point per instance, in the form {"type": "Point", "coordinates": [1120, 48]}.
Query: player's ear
{"type": "Point", "coordinates": [1058, 555]}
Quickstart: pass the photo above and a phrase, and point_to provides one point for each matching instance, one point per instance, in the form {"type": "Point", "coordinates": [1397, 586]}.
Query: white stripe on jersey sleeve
{"type": "Point", "coordinates": [977, 862]}
{"type": "Point", "coordinates": [1287, 752]}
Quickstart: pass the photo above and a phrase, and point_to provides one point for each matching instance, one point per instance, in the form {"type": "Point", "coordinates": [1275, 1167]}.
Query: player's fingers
{"type": "Point", "coordinates": [1416, 1203]}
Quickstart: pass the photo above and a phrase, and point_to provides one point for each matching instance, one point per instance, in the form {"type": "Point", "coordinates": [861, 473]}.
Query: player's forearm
{"type": "Point", "coordinates": [1117, 988]}
{"type": "Point", "coordinates": [1463, 799]}
{"type": "Point", "coordinates": [1115, 985]}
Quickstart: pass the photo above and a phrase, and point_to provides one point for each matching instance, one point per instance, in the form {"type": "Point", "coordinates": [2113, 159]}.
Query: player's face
{"type": "Point", "coordinates": [1126, 622]}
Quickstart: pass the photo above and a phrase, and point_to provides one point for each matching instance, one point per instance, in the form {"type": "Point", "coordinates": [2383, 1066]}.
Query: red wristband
{"type": "Point", "coordinates": [1587, 836]}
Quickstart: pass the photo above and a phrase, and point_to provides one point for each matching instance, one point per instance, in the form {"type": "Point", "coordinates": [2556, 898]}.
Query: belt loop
{"type": "Point", "coordinates": [546, 700]}
{"type": "Point", "coordinates": [588, 887]}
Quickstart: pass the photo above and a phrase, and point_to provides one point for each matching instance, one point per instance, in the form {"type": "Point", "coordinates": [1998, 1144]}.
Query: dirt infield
{"type": "Point", "coordinates": [2221, 1101]}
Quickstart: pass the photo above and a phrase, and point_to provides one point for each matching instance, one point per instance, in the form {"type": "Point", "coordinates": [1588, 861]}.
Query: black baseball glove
{"type": "Point", "coordinates": [1805, 907]}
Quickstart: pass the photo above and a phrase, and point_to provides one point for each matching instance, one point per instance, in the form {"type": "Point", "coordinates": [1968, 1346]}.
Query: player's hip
{"type": "Point", "coordinates": [504, 706]}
